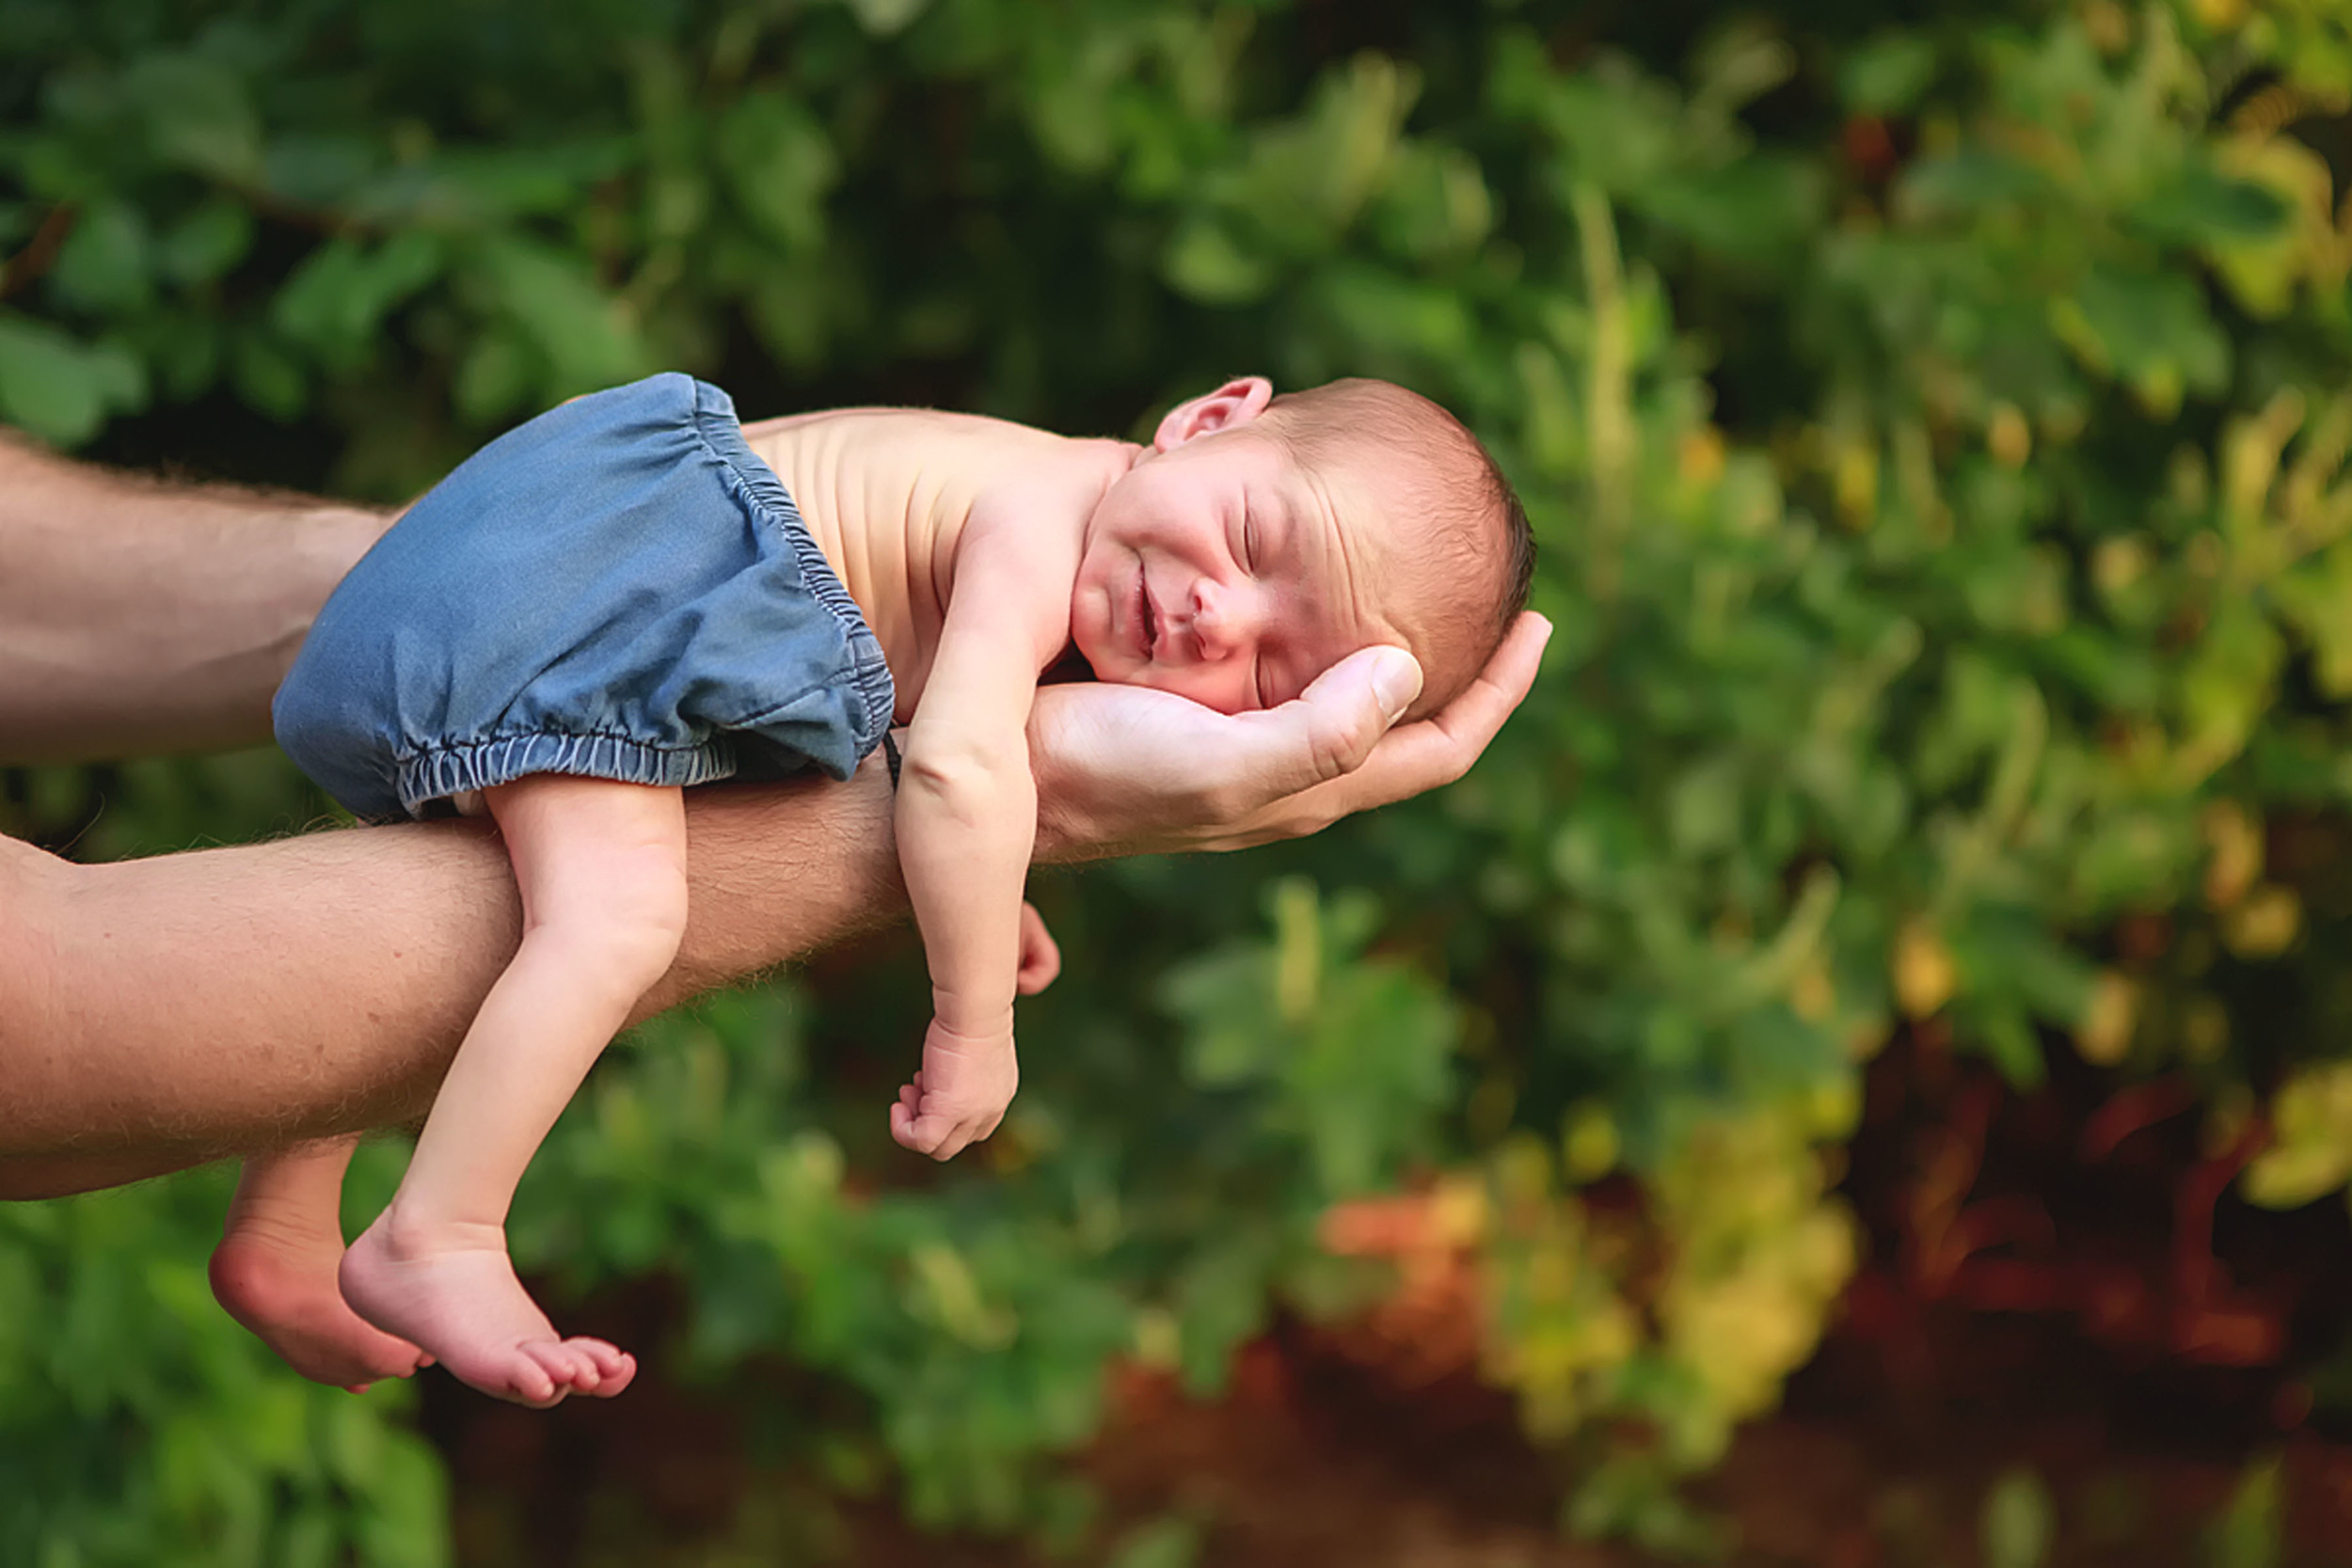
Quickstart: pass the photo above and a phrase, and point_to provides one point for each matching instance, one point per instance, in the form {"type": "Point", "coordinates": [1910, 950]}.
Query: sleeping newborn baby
{"type": "Point", "coordinates": [625, 597]}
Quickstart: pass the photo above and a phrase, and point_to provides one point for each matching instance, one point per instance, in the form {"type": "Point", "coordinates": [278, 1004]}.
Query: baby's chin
{"type": "Point", "coordinates": [1108, 662]}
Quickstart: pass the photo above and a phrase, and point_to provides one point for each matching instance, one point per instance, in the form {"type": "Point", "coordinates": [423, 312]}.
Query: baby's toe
{"type": "Point", "coordinates": [557, 1363]}
{"type": "Point", "coordinates": [601, 1354]}
{"type": "Point", "coordinates": [535, 1386]}
{"type": "Point", "coordinates": [594, 1362]}
{"type": "Point", "coordinates": [614, 1367]}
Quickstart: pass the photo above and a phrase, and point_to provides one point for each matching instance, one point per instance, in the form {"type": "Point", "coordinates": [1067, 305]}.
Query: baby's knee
{"type": "Point", "coordinates": [628, 928]}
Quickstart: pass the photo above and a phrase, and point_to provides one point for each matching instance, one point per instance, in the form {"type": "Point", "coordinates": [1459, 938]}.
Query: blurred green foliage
{"type": "Point", "coordinates": [1935, 431]}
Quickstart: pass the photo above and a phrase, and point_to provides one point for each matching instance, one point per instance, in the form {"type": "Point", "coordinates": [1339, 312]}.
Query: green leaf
{"type": "Point", "coordinates": [1887, 74]}
{"type": "Point", "coordinates": [2202, 206]}
{"type": "Point", "coordinates": [408, 1527]}
{"type": "Point", "coordinates": [200, 116]}
{"type": "Point", "coordinates": [1384, 310]}
{"type": "Point", "coordinates": [885, 18]}
{"type": "Point", "coordinates": [780, 165]}
{"type": "Point", "coordinates": [1758, 203]}
{"type": "Point", "coordinates": [552, 301]}
{"type": "Point", "coordinates": [320, 167]}
{"type": "Point", "coordinates": [1220, 1302]}
{"type": "Point", "coordinates": [1206, 263]}
{"type": "Point", "coordinates": [1968, 180]}
{"type": "Point", "coordinates": [2251, 1531]}
{"type": "Point", "coordinates": [1173, 1542]}
{"type": "Point", "coordinates": [2004, 1033]}
{"type": "Point", "coordinates": [1436, 205]}
{"type": "Point", "coordinates": [2142, 324]}
{"type": "Point", "coordinates": [2020, 1522]}
{"type": "Point", "coordinates": [265, 375]}
{"type": "Point", "coordinates": [104, 266]}
{"type": "Point", "coordinates": [1702, 808]}
{"type": "Point", "coordinates": [493, 379]}
{"type": "Point", "coordinates": [204, 244]}
{"type": "Point", "coordinates": [60, 388]}
{"type": "Point", "coordinates": [335, 302]}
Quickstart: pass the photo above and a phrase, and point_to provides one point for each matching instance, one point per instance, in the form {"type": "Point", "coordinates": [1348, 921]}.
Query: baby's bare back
{"type": "Point", "coordinates": [887, 493]}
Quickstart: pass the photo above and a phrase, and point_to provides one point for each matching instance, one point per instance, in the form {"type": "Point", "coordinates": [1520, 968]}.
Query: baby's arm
{"type": "Point", "coordinates": [966, 822]}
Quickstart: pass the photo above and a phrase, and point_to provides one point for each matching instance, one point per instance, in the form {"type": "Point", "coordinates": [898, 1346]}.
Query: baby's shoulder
{"type": "Point", "coordinates": [1065, 479]}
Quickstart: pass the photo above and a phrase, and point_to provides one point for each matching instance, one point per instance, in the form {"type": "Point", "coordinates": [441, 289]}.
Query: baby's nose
{"type": "Point", "coordinates": [1222, 618]}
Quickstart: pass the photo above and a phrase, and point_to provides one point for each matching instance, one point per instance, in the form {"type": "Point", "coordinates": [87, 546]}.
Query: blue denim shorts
{"type": "Point", "coordinates": [618, 589]}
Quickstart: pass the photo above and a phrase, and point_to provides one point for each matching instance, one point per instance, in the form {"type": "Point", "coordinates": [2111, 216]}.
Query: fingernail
{"type": "Point", "coordinates": [1396, 681]}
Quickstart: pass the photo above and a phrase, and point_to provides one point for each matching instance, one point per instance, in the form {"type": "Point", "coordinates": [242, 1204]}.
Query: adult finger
{"type": "Point", "coordinates": [1415, 757]}
{"type": "Point", "coordinates": [1323, 734]}
{"type": "Point", "coordinates": [1439, 750]}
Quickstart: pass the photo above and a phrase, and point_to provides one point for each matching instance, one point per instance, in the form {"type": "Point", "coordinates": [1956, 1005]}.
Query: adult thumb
{"type": "Point", "coordinates": [1347, 708]}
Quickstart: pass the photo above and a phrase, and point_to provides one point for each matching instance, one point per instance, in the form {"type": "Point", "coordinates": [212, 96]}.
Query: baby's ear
{"type": "Point", "coordinates": [1232, 405]}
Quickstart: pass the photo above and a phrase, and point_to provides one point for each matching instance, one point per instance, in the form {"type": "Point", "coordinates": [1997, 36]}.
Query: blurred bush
{"type": "Point", "coordinates": [1935, 431]}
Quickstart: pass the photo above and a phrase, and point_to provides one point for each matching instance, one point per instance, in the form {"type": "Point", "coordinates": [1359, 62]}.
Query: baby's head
{"type": "Point", "coordinates": [1261, 539]}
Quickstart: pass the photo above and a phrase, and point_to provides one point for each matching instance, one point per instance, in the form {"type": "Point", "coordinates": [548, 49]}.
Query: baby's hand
{"type": "Point", "coordinates": [1041, 961]}
{"type": "Point", "coordinates": [961, 1094]}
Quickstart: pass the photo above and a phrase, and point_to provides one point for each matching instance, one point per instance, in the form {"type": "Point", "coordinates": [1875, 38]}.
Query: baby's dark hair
{"type": "Point", "coordinates": [1477, 549]}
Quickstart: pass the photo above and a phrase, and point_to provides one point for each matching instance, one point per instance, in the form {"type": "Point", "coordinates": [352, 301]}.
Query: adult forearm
{"type": "Point", "coordinates": [172, 1010]}
{"type": "Point", "coordinates": [138, 617]}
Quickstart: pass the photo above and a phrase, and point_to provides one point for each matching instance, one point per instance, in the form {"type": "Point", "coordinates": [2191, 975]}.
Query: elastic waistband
{"type": "Point", "coordinates": [438, 772]}
{"type": "Point", "coordinates": [715, 420]}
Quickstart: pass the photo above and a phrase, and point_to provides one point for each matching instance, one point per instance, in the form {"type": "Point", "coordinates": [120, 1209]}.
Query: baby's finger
{"type": "Point", "coordinates": [1041, 956]}
{"type": "Point", "coordinates": [923, 1135]}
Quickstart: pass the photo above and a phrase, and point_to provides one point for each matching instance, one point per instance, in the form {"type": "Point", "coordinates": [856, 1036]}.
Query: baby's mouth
{"type": "Point", "coordinates": [1148, 622]}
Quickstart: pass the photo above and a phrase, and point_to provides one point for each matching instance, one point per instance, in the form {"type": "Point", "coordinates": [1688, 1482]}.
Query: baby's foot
{"type": "Point", "coordinates": [452, 1288]}
{"type": "Point", "coordinates": [279, 1280]}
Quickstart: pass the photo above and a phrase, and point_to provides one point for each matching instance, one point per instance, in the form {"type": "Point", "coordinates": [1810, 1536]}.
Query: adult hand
{"type": "Point", "coordinates": [1125, 771]}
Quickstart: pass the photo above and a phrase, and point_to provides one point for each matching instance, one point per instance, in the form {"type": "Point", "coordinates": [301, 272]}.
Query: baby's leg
{"type": "Point", "coordinates": [602, 870]}
{"type": "Point", "coordinates": [273, 1271]}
